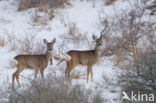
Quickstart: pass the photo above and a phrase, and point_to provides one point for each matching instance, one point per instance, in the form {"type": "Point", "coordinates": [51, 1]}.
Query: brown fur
{"type": "Point", "coordinates": [36, 62]}
{"type": "Point", "coordinates": [88, 58]}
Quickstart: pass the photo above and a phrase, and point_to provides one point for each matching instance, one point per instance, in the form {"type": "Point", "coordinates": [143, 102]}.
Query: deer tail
{"type": "Point", "coordinates": [15, 62]}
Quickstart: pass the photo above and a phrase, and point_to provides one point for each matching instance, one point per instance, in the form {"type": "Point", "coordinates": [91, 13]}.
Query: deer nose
{"type": "Point", "coordinates": [50, 49]}
{"type": "Point", "coordinates": [98, 43]}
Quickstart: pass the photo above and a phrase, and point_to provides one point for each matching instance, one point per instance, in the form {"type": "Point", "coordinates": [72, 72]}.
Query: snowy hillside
{"type": "Point", "coordinates": [82, 17]}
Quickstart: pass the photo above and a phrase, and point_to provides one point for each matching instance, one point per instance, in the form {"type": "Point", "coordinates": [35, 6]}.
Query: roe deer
{"type": "Point", "coordinates": [88, 58]}
{"type": "Point", "coordinates": [36, 62]}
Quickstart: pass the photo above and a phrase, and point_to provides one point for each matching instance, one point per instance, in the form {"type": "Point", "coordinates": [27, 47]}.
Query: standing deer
{"type": "Point", "coordinates": [36, 62]}
{"type": "Point", "coordinates": [88, 58]}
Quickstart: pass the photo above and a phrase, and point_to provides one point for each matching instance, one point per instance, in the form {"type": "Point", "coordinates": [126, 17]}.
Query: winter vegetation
{"type": "Point", "coordinates": [120, 58]}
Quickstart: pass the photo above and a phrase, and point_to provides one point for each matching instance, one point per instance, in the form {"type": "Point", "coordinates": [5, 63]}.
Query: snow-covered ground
{"type": "Point", "coordinates": [83, 14]}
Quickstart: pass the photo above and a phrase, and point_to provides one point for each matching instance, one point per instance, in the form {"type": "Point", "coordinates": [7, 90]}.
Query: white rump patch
{"type": "Point", "coordinates": [15, 62]}
{"type": "Point", "coordinates": [68, 57]}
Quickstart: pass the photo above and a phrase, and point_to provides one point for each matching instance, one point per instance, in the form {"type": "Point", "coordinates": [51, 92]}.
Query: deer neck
{"type": "Point", "coordinates": [48, 54]}
{"type": "Point", "coordinates": [98, 50]}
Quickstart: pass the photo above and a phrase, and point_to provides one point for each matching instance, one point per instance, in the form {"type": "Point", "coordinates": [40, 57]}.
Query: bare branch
{"type": "Point", "coordinates": [106, 29]}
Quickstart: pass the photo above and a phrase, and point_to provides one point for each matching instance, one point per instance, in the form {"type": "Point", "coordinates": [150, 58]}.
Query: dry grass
{"type": "Point", "coordinates": [2, 41]}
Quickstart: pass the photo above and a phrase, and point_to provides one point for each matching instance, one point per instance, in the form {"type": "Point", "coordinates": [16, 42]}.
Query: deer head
{"type": "Point", "coordinates": [49, 44]}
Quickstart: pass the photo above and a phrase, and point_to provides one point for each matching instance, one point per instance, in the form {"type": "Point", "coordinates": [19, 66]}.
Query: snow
{"type": "Point", "coordinates": [83, 14]}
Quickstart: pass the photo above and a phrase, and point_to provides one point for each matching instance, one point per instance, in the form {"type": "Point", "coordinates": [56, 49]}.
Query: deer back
{"type": "Point", "coordinates": [32, 61]}
{"type": "Point", "coordinates": [83, 57]}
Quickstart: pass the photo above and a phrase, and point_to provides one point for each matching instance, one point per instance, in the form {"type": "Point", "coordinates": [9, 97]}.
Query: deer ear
{"type": "Point", "coordinates": [54, 40]}
{"type": "Point", "coordinates": [94, 37]}
{"type": "Point", "coordinates": [45, 41]}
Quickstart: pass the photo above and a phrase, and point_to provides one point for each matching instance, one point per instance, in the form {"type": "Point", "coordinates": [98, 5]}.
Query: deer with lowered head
{"type": "Point", "coordinates": [88, 58]}
{"type": "Point", "coordinates": [36, 62]}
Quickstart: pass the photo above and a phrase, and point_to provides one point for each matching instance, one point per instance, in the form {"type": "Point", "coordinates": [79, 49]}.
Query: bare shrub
{"type": "Point", "coordinates": [11, 40]}
{"type": "Point", "coordinates": [40, 19]}
{"type": "Point", "coordinates": [133, 42]}
{"type": "Point", "coordinates": [46, 6]}
{"type": "Point", "coordinates": [26, 4]}
{"type": "Point", "coordinates": [151, 6]}
{"type": "Point", "coordinates": [107, 80]}
{"type": "Point", "coordinates": [109, 2]}
{"type": "Point", "coordinates": [44, 94]}
{"type": "Point", "coordinates": [24, 43]}
{"type": "Point", "coordinates": [138, 37]}
{"type": "Point", "coordinates": [108, 39]}
{"type": "Point", "coordinates": [77, 75]}
{"type": "Point", "coordinates": [36, 17]}
{"type": "Point", "coordinates": [115, 46]}
{"type": "Point", "coordinates": [129, 30]}
{"type": "Point", "coordinates": [43, 5]}
{"type": "Point", "coordinates": [53, 3]}
{"type": "Point", "coordinates": [54, 89]}
{"type": "Point", "coordinates": [141, 78]}
{"type": "Point", "coordinates": [51, 14]}
{"type": "Point", "coordinates": [76, 37]}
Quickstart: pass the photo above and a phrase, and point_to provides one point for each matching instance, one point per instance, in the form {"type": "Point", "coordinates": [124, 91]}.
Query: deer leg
{"type": "Point", "coordinates": [87, 74]}
{"type": "Point", "coordinates": [66, 74]}
{"type": "Point", "coordinates": [51, 61]}
{"type": "Point", "coordinates": [17, 79]}
{"type": "Point", "coordinates": [42, 73]}
{"type": "Point", "coordinates": [70, 67]}
{"type": "Point", "coordinates": [91, 70]}
{"type": "Point", "coordinates": [69, 76]}
{"type": "Point", "coordinates": [17, 76]}
{"type": "Point", "coordinates": [36, 71]}
{"type": "Point", "coordinates": [13, 78]}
